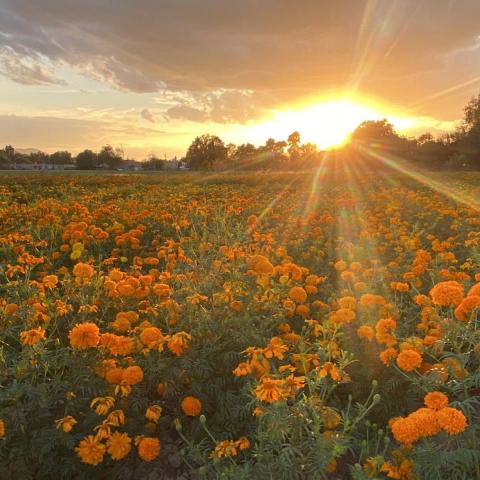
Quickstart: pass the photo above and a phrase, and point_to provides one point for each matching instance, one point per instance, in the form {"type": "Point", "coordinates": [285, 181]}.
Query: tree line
{"type": "Point", "coordinates": [457, 150]}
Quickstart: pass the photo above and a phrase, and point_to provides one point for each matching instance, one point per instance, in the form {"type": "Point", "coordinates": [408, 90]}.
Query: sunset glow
{"type": "Point", "coordinates": [326, 123]}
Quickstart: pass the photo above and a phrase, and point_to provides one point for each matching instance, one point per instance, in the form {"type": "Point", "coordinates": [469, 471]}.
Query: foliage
{"type": "Point", "coordinates": [239, 326]}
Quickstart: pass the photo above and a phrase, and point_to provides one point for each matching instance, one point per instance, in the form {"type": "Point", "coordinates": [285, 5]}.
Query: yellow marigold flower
{"type": "Point", "coordinates": [90, 450]}
{"type": "Point", "coordinates": [298, 294]}
{"type": "Point", "coordinates": [436, 400]}
{"type": "Point", "coordinates": [153, 413]}
{"type": "Point", "coordinates": [84, 335]}
{"type": "Point", "coordinates": [102, 404]}
{"type": "Point", "coordinates": [148, 448]}
{"type": "Point", "coordinates": [191, 406]}
{"type": "Point", "coordinates": [66, 423]}
{"type": "Point", "coordinates": [33, 336]}
{"type": "Point", "coordinates": [451, 420]}
{"type": "Point", "coordinates": [409, 360]}
{"type": "Point", "coordinates": [119, 445]}
{"type": "Point", "coordinates": [447, 294]}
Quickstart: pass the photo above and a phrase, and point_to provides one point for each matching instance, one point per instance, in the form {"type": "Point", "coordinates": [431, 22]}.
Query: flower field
{"type": "Point", "coordinates": [239, 327]}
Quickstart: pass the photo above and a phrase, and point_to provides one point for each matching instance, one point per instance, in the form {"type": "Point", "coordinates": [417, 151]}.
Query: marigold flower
{"type": "Point", "coordinates": [298, 294]}
{"type": "Point", "coordinates": [65, 423]}
{"type": "Point", "coordinates": [90, 450]}
{"type": "Point", "coordinates": [436, 400]}
{"type": "Point", "coordinates": [366, 331]}
{"type": "Point", "coordinates": [83, 271]}
{"type": "Point", "coordinates": [451, 420]}
{"type": "Point", "coordinates": [388, 355]}
{"type": "Point", "coordinates": [447, 294]}
{"type": "Point", "coordinates": [84, 335]}
{"type": "Point", "coordinates": [33, 336]}
{"type": "Point", "coordinates": [409, 360]}
{"type": "Point", "coordinates": [2, 428]}
{"type": "Point", "coordinates": [133, 375]}
{"type": "Point", "coordinates": [270, 390]}
{"type": "Point", "coordinates": [191, 406]}
{"type": "Point", "coordinates": [225, 448]}
{"type": "Point", "coordinates": [148, 448]}
{"type": "Point", "coordinates": [102, 405]}
{"type": "Point", "coordinates": [405, 431]}
{"type": "Point", "coordinates": [50, 281]}
{"type": "Point", "coordinates": [119, 445]}
{"type": "Point", "coordinates": [179, 342]}
{"type": "Point", "coordinates": [153, 413]}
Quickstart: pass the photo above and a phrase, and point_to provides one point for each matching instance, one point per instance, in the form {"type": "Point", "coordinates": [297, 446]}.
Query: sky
{"type": "Point", "coordinates": [150, 75]}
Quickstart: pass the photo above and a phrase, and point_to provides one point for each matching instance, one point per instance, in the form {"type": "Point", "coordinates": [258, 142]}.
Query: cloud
{"type": "Point", "coordinates": [25, 70]}
{"type": "Point", "coordinates": [147, 115]}
{"type": "Point", "coordinates": [234, 59]}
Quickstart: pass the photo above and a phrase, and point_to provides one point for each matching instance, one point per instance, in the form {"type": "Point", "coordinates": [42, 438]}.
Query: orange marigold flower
{"type": "Point", "coordinates": [178, 343]}
{"type": "Point", "coordinates": [388, 355]}
{"type": "Point", "coordinates": [275, 348]}
{"type": "Point", "coordinates": [466, 307]}
{"type": "Point", "coordinates": [153, 413]}
{"type": "Point", "coordinates": [409, 360]}
{"type": "Point", "coordinates": [148, 448]}
{"type": "Point", "coordinates": [119, 445]}
{"type": "Point", "coordinates": [83, 271]}
{"type": "Point", "coordinates": [448, 293]}
{"type": "Point", "coordinates": [191, 406]}
{"type": "Point", "coordinates": [33, 336]}
{"type": "Point", "coordinates": [426, 421]}
{"type": "Point", "coordinates": [260, 265]}
{"type": "Point", "coordinates": [50, 281]}
{"type": "Point", "coordinates": [2, 428]}
{"type": "Point", "coordinates": [84, 335]}
{"type": "Point", "coordinates": [132, 375]}
{"type": "Point", "coordinates": [366, 331]}
{"type": "Point", "coordinates": [451, 420]}
{"type": "Point", "coordinates": [270, 390]}
{"type": "Point", "coordinates": [225, 448]}
{"type": "Point", "coordinates": [436, 400]}
{"type": "Point", "coordinates": [151, 337]}
{"type": "Point", "coordinates": [90, 450]}
{"type": "Point", "coordinates": [298, 294]}
{"type": "Point", "coordinates": [405, 431]}
{"type": "Point", "coordinates": [65, 423]}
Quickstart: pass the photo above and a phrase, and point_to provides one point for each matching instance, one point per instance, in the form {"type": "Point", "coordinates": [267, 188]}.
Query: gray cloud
{"type": "Point", "coordinates": [281, 50]}
{"type": "Point", "coordinates": [146, 114]}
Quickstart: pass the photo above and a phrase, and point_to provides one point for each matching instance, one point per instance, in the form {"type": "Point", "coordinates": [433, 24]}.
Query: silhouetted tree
{"type": "Point", "coordinates": [205, 151]}
{"type": "Point", "coordinates": [86, 160]}
{"type": "Point", "coordinates": [109, 156]}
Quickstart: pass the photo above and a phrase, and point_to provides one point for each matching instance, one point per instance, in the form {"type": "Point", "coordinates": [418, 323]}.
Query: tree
{"type": "Point", "coordinates": [61, 158]}
{"type": "Point", "coordinates": [293, 142]}
{"type": "Point", "coordinates": [109, 156]}
{"type": "Point", "coordinates": [374, 131]}
{"type": "Point", "coordinates": [86, 160]}
{"type": "Point", "coordinates": [205, 151]}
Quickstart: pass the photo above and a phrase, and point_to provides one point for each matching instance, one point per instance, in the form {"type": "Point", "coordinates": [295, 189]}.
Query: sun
{"type": "Point", "coordinates": [326, 123]}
